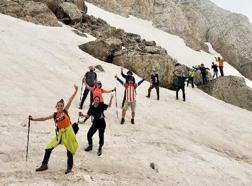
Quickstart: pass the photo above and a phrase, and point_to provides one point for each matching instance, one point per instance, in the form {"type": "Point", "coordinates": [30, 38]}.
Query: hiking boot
{"type": "Point", "coordinates": [43, 167]}
{"type": "Point", "coordinates": [99, 152]}
{"type": "Point", "coordinates": [122, 121]}
{"type": "Point", "coordinates": [89, 148]}
{"type": "Point", "coordinates": [132, 121]}
{"type": "Point", "coordinates": [68, 170]}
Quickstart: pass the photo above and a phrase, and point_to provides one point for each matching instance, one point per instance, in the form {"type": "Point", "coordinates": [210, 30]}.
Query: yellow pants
{"type": "Point", "coordinates": [65, 137]}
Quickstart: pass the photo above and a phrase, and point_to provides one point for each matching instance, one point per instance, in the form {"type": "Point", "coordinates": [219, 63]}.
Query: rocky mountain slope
{"type": "Point", "coordinates": [197, 21]}
{"type": "Point", "coordinates": [201, 142]}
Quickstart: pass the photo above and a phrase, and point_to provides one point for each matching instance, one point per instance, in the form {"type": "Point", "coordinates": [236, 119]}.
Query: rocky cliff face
{"type": "Point", "coordinates": [230, 89]}
{"type": "Point", "coordinates": [197, 21]}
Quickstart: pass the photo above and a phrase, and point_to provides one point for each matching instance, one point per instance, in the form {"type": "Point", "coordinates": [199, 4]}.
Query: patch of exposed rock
{"type": "Point", "coordinates": [127, 49]}
{"type": "Point", "coordinates": [230, 89]}
{"type": "Point", "coordinates": [35, 12]}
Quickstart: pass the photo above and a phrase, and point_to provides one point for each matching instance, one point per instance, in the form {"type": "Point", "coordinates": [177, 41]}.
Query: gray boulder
{"type": "Point", "coordinates": [102, 49]}
{"type": "Point", "coordinates": [230, 89]}
{"type": "Point", "coordinates": [69, 13]}
{"type": "Point", "coordinates": [143, 64]}
{"type": "Point", "coordinates": [39, 13]}
{"type": "Point", "coordinates": [34, 12]}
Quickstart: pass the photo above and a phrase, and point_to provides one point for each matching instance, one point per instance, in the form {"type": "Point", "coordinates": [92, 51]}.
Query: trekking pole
{"type": "Point", "coordinates": [28, 136]}
{"type": "Point", "coordinates": [81, 92]}
{"type": "Point", "coordinates": [116, 104]}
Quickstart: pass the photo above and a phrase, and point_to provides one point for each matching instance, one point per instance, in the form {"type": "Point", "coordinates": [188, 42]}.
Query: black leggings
{"type": "Point", "coordinates": [190, 80]}
{"type": "Point", "coordinates": [100, 126]}
{"type": "Point", "coordinates": [183, 91]}
{"type": "Point", "coordinates": [48, 154]}
{"type": "Point", "coordinates": [85, 93]}
{"type": "Point", "coordinates": [157, 90]}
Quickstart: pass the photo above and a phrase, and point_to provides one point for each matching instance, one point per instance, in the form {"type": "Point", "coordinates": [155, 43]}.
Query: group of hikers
{"type": "Point", "coordinates": [66, 131]}
{"type": "Point", "coordinates": [181, 76]}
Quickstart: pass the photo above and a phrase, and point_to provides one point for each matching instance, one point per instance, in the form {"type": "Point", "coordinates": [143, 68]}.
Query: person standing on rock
{"type": "Point", "coordinates": [64, 133]}
{"type": "Point", "coordinates": [97, 90]}
{"type": "Point", "coordinates": [154, 83]}
{"type": "Point", "coordinates": [203, 71]}
{"type": "Point", "coordinates": [90, 78]}
{"type": "Point", "coordinates": [191, 75]}
{"type": "Point", "coordinates": [127, 76]}
{"type": "Point", "coordinates": [215, 70]}
{"type": "Point", "coordinates": [97, 111]}
{"type": "Point", "coordinates": [130, 100]}
{"type": "Point", "coordinates": [221, 65]}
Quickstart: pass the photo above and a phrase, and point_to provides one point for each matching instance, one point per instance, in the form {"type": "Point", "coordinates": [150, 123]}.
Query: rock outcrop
{"type": "Point", "coordinates": [197, 21]}
{"type": "Point", "coordinates": [230, 89]}
{"type": "Point", "coordinates": [69, 13]}
{"type": "Point", "coordinates": [34, 12]}
{"type": "Point", "coordinates": [127, 49]}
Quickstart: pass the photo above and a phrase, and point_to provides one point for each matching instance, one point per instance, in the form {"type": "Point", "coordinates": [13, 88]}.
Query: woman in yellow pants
{"type": "Point", "coordinates": [64, 134]}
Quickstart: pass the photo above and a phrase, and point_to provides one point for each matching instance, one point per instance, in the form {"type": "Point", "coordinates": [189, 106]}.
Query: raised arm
{"type": "Point", "coordinates": [123, 75]}
{"type": "Point", "coordinates": [140, 82]}
{"type": "Point", "coordinates": [119, 80]}
{"type": "Point", "coordinates": [41, 118]}
{"type": "Point", "coordinates": [71, 98]}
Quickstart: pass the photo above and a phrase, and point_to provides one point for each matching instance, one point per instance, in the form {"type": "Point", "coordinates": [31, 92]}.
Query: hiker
{"type": "Point", "coordinates": [221, 65]}
{"type": "Point", "coordinates": [203, 71]}
{"type": "Point", "coordinates": [90, 78]}
{"type": "Point", "coordinates": [180, 81]}
{"type": "Point", "coordinates": [130, 100]}
{"type": "Point", "coordinates": [154, 83]}
{"type": "Point", "coordinates": [215, 70]}
{"type": "Point", "coordinates": [126, 77]}
{"type": "Point", "coordinates": [180, 84]}
{"type": "Point", "coordinates": [191, 75]}
{"type": "Point", "coordinates": [96, 110]}
{"type": "Point", "coordinates": [64, 133]}
{"type": "Point", "coordinates": [97, 90]}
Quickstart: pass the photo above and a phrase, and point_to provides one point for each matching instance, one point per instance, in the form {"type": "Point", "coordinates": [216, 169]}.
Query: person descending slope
{"type": "Point", "coordinates": [130, 100]}
{"type": "Point", "coordinates": [64, 133]}
{"type": "Point", "coordinates": [215, 70]}
{"type": "Point", "coordinates": [154, 83]}
{"type": "Point", "coordinates": [97, 90]}
{"type": "Point", "coordinates": [191, 75]}
{"type": "Point", "coordinates": [221, 65]}
{"type": "Point", "coordinates": [90, 78]}
{"type": "Point", "coordinates": [126, 77]}
{"type": "Point", "coordinates": [96, 110]}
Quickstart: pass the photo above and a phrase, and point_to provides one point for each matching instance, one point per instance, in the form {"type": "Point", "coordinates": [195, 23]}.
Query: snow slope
{"type": "Point", "coordinates": [174, 45]}
{"type": "Point", "coordinates": [201, 142]}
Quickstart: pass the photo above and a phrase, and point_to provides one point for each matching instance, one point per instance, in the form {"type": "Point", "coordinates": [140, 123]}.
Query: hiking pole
{"type": "Point", "coordinates": [116, 104]}
{"type": "Point", "coordinates": [28, 136]}
{"type": "Point", "coordinates": [81, 94]}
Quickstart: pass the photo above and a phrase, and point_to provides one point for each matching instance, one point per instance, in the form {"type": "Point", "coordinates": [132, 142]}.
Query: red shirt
{"type": "Point", "coordinates": [130, 92]}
